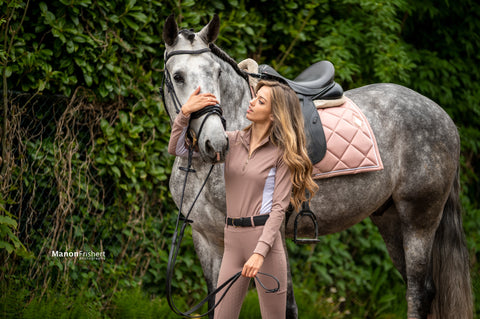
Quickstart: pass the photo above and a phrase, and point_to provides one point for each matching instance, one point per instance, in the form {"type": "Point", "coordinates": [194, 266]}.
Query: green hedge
{"type": "Point", "coordinates": [84, 162]}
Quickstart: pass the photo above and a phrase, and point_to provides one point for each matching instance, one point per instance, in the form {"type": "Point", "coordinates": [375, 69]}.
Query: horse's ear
{"type": "Point", "coordinates": [170, 30]}
{"type": "Point", "coordinates": [210, 32]}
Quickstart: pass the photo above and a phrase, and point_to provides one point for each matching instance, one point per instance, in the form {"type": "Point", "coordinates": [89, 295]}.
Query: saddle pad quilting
{"type": "Point", "coordinates": [351, 144]}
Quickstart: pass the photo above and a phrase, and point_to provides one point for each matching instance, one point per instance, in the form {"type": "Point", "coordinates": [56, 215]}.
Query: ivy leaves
{"type": "Point", "coordinates": [100, 46]}
{"type": "Point", "coordinates": [130, 153]}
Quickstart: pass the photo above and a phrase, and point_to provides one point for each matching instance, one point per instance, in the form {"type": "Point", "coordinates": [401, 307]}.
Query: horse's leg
{"type": "Point", "coordinates": [292, 310]}
{"type": "Point", "coordinates": [419, 223]}
{"type": "Point", "coordinates": [388, 223]}
{"type": "Point", "coordinates": [209, 250]}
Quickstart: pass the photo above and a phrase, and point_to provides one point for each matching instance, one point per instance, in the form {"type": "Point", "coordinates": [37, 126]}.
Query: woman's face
{"type": "Point", "coordinates": [260, 108]}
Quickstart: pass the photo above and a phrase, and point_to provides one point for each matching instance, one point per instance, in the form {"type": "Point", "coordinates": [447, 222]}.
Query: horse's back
{"type": "Point", "coordinates": [418, 141]}
{"type": "Point", "coordinates": [392, 104]}
{"type": "Point", "coordinates": [407, 119]}
{"type": "Point", "coordinates": [418, 144]}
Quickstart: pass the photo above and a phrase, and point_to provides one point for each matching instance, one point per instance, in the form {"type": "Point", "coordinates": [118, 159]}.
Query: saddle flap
{"type": "Point", "coordinates": [316, 143]}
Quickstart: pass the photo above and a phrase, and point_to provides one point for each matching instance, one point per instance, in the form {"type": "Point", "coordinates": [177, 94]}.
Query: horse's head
{"type": "Point", "coordinates": [188, 65]}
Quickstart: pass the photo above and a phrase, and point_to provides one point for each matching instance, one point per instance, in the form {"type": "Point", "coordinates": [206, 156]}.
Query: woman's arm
{"type": "Point", "coordinates": [177, 144]}
{"type": "Point", "coordinates": [281, 199]}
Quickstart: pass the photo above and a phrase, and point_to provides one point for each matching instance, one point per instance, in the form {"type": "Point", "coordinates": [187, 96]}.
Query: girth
{"type": "Point", "coordinates": [314, 83]}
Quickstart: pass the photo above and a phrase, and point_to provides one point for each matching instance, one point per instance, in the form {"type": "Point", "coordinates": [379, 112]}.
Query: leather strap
{"type": "Point", "coordinates": [259, 220]}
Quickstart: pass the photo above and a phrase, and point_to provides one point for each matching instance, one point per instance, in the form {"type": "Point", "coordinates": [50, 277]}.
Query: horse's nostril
{"type": "Point", "coordinates": [215, 149]}
{"type": "Point", "coordinates": [209, 148]}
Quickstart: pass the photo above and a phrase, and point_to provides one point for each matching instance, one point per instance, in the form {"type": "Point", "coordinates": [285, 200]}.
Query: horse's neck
{"type": "Point", "coordinates": [235, 98]}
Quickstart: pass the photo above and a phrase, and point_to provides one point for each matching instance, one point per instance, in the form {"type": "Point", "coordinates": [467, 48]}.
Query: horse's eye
{"type": "Point", "coordinates": [219, 73]}
{"type": "Point", "coordinates": [178, 78]}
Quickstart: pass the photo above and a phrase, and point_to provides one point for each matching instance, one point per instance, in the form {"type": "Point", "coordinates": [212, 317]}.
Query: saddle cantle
{"type": "Point", "coordinates": [314, 83]}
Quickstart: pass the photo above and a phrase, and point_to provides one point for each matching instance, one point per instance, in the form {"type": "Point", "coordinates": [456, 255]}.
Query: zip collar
{"type": "Point", "coordinates": [245, 137]}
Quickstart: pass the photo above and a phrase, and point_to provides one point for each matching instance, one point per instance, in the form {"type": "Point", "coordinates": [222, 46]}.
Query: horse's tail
{"type": "Point", "coordinates": [451, 266]}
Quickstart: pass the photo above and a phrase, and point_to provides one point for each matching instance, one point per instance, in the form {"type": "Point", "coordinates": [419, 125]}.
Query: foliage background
{"type": "Point", "coordinates": [84, 163]}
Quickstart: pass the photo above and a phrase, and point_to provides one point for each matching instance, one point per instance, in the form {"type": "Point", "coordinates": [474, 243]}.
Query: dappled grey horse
{"type": "Point", "coordinates": [414, 200]}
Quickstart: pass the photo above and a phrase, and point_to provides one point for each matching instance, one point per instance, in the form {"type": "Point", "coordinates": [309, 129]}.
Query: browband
{"type": "Point", "coordinates": [169, 55]}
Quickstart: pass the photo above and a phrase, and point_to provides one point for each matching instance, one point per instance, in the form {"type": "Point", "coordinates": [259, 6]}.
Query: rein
{"type": "Point", "coordinates": [183, 222]}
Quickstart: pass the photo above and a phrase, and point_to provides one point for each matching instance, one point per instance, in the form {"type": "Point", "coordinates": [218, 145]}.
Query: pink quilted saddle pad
{"type": "Point", "coordinates": [351, 145]}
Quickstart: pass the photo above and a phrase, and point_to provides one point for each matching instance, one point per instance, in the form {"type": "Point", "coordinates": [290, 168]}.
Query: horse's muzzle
{"type": "Point", "coordinates": [215, 150]}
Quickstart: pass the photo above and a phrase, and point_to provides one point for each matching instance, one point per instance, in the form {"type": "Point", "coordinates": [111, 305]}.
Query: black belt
{"type": "Point", "coordinates": [259, 220]}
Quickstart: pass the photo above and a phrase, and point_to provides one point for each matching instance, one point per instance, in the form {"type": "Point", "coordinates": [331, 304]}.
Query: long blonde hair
{"type": "Point", "coordinates": [287, 133]}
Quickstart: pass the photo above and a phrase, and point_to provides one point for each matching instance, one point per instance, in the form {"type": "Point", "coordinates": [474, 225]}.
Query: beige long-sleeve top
{"type": "Point", "coordinates": [254, 185]}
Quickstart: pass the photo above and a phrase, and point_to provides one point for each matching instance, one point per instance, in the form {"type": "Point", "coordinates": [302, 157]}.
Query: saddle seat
{"type": "Point", "coordinates": [316, 81]}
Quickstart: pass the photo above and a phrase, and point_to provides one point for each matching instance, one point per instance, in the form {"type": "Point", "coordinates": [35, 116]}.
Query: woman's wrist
{"type": "Point", "coordinates": [185, 110]}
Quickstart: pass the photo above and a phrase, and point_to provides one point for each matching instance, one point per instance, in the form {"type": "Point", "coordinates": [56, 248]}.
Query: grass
{"type": "Point", "coordinates": [17, 302]}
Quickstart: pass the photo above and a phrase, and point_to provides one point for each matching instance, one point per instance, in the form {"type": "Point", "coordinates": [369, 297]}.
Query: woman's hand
{"type": "Point", "coordinates": [253, 265]}
{"type": "Point", "coordinates": [198, 101]}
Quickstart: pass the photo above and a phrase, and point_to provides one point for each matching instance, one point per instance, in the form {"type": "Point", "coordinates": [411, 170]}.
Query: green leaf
{"type": "Point", "coordinates": [88, 79]}
{"type": "Point", "coordinates": [8, 221]}
{"type": "Point", "coordinates": [130, 23]}
{"type": "Point", "coordinates": [43, 7]}
{"type": "Point", "coordinates": [7, 246]}
{"type": "Point", "coordinates": [123, 118]}
{"type": "Point", "coordinates": [130, 4]}
{"type": "Point", "coordinates": [188, 3]}
{"type": "Point", "coordinates": [116, 171]}
{"type": "Point", "coordinates": [139, 16]}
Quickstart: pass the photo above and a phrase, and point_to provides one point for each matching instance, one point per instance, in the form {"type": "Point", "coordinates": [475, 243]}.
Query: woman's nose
{"type": "Point", "coordinates": [252, 101]}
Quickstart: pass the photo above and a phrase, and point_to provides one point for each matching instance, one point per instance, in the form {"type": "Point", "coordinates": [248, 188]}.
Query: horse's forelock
{"type": "Point", "coordinates": [189, 34]}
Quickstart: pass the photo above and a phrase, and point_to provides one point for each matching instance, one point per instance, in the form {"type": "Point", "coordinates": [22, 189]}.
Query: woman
{"type": "Point", "coordinates": [267, 168]}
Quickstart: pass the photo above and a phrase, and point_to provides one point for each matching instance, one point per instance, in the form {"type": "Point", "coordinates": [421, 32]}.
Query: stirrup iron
{"type": "Point", "coordinates": [305, 212]}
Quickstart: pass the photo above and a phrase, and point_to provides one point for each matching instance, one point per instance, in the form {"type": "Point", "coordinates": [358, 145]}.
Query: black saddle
{"type": "Point", "coordinates": [314, 83]}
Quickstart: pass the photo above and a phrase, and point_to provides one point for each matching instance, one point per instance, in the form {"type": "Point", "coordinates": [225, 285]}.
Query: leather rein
{"type": "Point", "coordinates": [182, 222]}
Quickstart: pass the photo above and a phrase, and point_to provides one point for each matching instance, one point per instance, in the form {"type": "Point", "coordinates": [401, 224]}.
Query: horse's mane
{"type": "Point", "coordinates": [225, 57]}
{"type": "Point", "coordinates": [190, 35]}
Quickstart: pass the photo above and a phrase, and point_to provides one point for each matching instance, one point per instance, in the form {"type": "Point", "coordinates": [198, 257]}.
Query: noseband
{"type": "Point", "coordinates": [208, 110]}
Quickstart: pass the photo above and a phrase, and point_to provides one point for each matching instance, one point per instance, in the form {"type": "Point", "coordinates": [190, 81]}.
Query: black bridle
{"type": "Point", "coordinates": [183, 222]}
{"type": "Point", "coordinates": [207, 111]}
{"type": "Point", "coordinates": [167, 80]}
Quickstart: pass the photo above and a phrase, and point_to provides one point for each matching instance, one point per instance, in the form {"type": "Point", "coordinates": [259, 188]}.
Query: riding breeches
{"type": "Point", "coordinates": [240, 243]}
